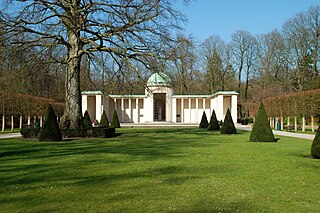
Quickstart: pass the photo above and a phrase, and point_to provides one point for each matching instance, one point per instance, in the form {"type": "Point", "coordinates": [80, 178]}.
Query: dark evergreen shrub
{"type": "Point", "coordinates": [102, 132]}
{"type": "Point", "coordinates": [104, 122]}
{"type": "Point", "coordinates": [50, 130]}
{"type": "Point", "coordinates": [115, 120]}
{"type": "Point", "coordinates": [315, 148]}
{"type": "Point", "coordinates": [228, 125]}
{"type": "Point", "coordinates": [213, 124]}
{"type": "Point", "coordinates": [87, 121]}
{"type": "Point", "coordinates": [74, 133]}
{"type": "Point", "coordinates": [204, 121]}
{"type": "Point", "coordinates": [261, 131]}
{"type": "Point", "coordinates": [30, 132]}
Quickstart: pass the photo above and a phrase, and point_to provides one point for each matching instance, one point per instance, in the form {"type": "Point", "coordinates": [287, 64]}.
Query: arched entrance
{"type": "Point", "coordinates": [159, 107]}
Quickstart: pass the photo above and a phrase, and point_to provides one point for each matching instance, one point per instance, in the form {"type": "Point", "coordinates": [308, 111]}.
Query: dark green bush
{"type": "Point", "coordinates": [204, 121]}
{"type": "Point", "coordinates": [213, 124]}
{"type": "Point", "coordinates": [50, 130]}
{"type": "Point", "coordinates": [315, 148]}
{"type": "Point", "coordinates": [102, 132]}
{"type": "Point", "coordinates": [30, 132]}
{"type": "Point", "coordinates": [104, 122]}
{"type": "Point", "coordinates": [87, 121]}
{"type": "Point", "coordinates": [228, 125]}
{"type": "Point", "coordinates": [115, 120]}
{"type": "Point", "coordinates": [261, 131]}
{"type": "Point", "coordinates": [74, 133]}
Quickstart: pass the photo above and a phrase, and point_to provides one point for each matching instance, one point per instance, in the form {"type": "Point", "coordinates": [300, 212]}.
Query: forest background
{"type": "Point", "coordinates": [257, 66]}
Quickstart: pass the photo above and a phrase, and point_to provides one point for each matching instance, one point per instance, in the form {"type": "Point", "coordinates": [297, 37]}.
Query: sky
{"type": "Point", "coordinates": [224, 17]}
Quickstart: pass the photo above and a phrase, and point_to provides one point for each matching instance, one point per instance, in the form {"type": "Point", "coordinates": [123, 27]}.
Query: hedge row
{"type": "Point", "coordinates": [25, 105]}
{"type": "Point", "coordinates": [305, 103]}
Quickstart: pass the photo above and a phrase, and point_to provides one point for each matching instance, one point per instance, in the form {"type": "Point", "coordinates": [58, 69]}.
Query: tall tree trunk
{"type": "Point", "coordinates": [239, 76]}
{"type": "Point", "coordinates": [73, 111]}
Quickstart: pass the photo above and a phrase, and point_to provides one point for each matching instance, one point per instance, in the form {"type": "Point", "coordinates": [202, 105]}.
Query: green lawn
{"type": "Point", "coordinates": [159, 170]}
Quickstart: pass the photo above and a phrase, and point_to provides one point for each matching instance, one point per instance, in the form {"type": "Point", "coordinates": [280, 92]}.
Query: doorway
{"type": "Point", "coordinates": [159, 107]}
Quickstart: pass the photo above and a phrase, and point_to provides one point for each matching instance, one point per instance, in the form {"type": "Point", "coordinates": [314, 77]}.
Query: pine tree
{"type": "Point", "coordinates": [228, 125]}
{"type": "Point", "coordinates": [204, 121]}
{"type": "Point", "coordinates": [50, 130]}
{"type": "Point", "coordinates": [87, 125]}
{"type": "Point", "coordinates": [261, 131]}
{"type": "Point", "coordinates": [104, 120]}
{"type": "Point", "coordinates": [115, 120]}
{"type": "Point", "coordinates": [315, 148]}
{"type": "Point", "coordinates": [214, 124]}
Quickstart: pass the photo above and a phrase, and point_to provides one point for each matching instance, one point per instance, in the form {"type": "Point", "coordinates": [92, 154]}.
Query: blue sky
{"type": "Point", "coordinates": [224, 17]}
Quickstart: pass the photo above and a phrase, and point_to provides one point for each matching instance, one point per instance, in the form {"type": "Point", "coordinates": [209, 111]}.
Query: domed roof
{"type": "Point", "coordinates": [159, 79]}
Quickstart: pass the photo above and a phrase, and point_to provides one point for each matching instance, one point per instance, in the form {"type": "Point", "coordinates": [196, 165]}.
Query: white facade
{"type": "Point", "coordinates": [159, 104]}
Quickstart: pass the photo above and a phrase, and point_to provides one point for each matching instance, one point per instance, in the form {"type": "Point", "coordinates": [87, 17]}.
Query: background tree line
{"type": "Point", "coordinates": [257, 66]}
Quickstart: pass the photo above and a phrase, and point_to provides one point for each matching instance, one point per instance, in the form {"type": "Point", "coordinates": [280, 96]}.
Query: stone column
{"type": "Point", "coordinates": [41, 121]}
{"type": "Point", "coordinates": [84, 99]}
{"type": "Point", "coordinates": [12, 123]}
{"type": "Point", "coordinates": [312, 123]}
{"type": "Point", "coordinates": [182, 111]}
{"type": "Point", "coordinates": [295, 123]}
{"type": "Point", "coordinates": [122, 110]}
{"type": "Point", "coordinates": [137, 107]}
{"type": "Point", "coordinates": [197, 107]}
{"type": "Point", "coordinates": [276, 124]}
{"type": "Point", "coordinates": [174, 110]}
{"type": "Point", "coordinates": [303, 123]}
{"type": "Point", "coordinates": [281, 120]}
{"type": "Point", "coordinates": [98, 107]}
{"type": "Point", "coordinates": [3, 122]}
{"type": "Point", "coordinates": [288, 123]}
{"type": "Point", "coordinates": [130, 110]}
{"type": "Point", "coordinates": [20, 124]}
{"type": "Point", "coordinates": [189, 104]}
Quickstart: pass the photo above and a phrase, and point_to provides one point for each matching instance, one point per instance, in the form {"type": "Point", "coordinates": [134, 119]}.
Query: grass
{"type": "Point", "coordinates": [159, 170]}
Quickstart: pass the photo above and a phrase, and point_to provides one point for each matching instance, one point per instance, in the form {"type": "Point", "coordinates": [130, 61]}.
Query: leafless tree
{"type": "Point", "coordinates": [132, 29]}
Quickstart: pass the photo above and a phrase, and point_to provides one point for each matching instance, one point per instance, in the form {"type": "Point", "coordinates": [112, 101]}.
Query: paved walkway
{"type": "Point", "coordinates": [238, 126]}
{"type": "Point", "coordinates": [281, 133]}
{"type": "Point", "coordinates": [10, 135]}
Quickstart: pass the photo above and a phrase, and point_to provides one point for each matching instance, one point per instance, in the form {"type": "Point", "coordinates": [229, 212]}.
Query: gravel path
{"type": "Point", "coordinates": [281, 133]}
{"type": "Point", "coordinates": [10, 135]}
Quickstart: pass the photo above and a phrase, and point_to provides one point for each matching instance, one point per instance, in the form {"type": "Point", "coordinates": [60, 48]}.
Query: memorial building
{"type": "Point", "coordinates": [159, 104]}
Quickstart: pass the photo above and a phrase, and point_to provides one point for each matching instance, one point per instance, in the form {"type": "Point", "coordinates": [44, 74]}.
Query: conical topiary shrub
{"type": "Point", "coordinates": [228, 125]}
{"type": "Point", "coordinates": [115, 120]}
{"type": "Point", "coordinates": [315, 148]}
{"type": "Point", "coordinates": [213, 124]}
{"type": "Point", "coordinates": [261, 131]}
{"type": "Point", "coordinates": [104, 120]}
{"type": "Point", "coordinates": [87, 121]}
{"type": "Point", "coordinates": [50, 130]}
{"type": "Point", "coordinates": [204, 121]}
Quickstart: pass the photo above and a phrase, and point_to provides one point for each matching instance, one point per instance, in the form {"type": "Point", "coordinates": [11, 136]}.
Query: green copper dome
{"type": "Point", "coordinates": [159, 79]}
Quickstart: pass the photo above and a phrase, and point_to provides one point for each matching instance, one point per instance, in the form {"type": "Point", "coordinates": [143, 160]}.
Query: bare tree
{"type": "Point", "coordinates": [132, 29]}
{"type": "Point", "coordinates": [216, 56]}
{"type": "Point", "coordinates": [240, 44]}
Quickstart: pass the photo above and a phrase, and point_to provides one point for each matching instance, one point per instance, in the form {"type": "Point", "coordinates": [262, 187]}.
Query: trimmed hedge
{"type": "Point", "coordinates": [204, 121]}
{"type": "Point", "coordinates": [104, 122]}
{"type": "Point", "coordinates": [30, 132]}
{"type": "Point", "coordinates": [115, 120]}
{"type": "Point", "coordinates": [102, 132]}
{"type": "Point", "coordinates": [87, 121]}
{"type": "Point", "coordinates": [315, 147]}
{"type": "Point", "coordinates": [74, 133]}
{"type": "Point", "coordinates": [50, 130]}
{"type": "Point", "coordinates": [214, 124]}
{"type": "Point", "coordinates": [261, 130]}
{"type": "Point", "coordinates": [228, 125]}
